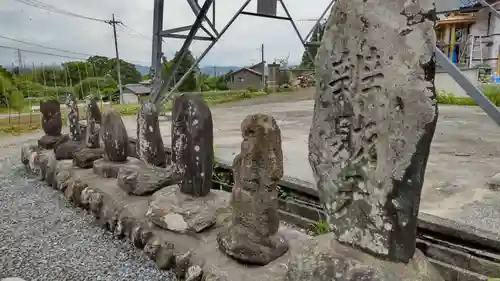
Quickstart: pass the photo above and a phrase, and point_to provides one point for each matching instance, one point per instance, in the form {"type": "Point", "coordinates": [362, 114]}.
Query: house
{"type": "Point", "coordinates": [470, 35]}
{"type": "Point", "coordinates": [133, 93]}
{"type": "Point", "coordinates": [251, 76]}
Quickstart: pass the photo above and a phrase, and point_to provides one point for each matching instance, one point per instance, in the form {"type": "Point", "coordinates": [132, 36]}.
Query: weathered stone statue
{"type": "Point", "coordinates": [150, 148]}
{"type": "Point", "coordinates": [93, 122]}
{"type": "Point", "coordinates": [192, 143]}
{"type": "Point", "coordinates": [85, 157]}
{"type": "Point", "coordinates": [192, 207]}
{"type": "Point", "coordinates": [73, 118]}
{"type": "Point", "coordinates": [374, 118]}
{"type": "Point", "coordinates": [51, 123]}
{"type": "Point", "coordinates": [115, 139]}
{"type": "Point", "coordinates": [253, 234]}
{"type": "Point", "coordinates": [65, 149]}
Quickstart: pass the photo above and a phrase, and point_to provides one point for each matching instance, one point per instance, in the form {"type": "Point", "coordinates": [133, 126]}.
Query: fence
{"type": "Point", "coordinates": [25, 84]}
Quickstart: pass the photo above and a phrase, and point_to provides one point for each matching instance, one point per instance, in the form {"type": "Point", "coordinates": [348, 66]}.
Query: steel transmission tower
{"type": "Point", "coordinates": [163, 88]}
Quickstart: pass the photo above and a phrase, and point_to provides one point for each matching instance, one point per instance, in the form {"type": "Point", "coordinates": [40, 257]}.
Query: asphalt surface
{"type": "Point", "coordinates": [43, 237]}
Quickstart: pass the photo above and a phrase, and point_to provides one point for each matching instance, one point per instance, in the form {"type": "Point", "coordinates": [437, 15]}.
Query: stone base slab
{"type": "Point", "coordinates": [108, 169]}
{"type": "Point", "coordinates": [191, 257]}
{"type": "Point", "coordinates": [173, 210]}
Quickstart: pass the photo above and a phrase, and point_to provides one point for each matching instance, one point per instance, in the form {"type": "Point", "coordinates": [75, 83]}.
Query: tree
{"type": "Point", "coordinates": [316, 37]}
{"type": "Point", "coordinates": [190, 84]}
{"type": "Point", "coordinates": [16, 102]}
{"type": "Point", "coordinates": [6, 88]}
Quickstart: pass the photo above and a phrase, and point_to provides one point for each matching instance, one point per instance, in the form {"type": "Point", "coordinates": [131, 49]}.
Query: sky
{"type": "Point", "coordinates": [239, 46]}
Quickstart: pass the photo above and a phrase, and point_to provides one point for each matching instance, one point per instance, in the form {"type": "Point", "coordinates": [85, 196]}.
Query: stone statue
{"type": "Point", "coordinates": [51, 123]}
{"type": "Point", "coordinates": [115, 143]}
{"type": "Point", "coordinates": [374, 119]}
{"type": "Point", "coordinates": [253, 234]}
{"type": "Point", "coordinates": [192, 143]}
{"type": "Point", "coordinates": [93, 122]}
{"type": "Point", "coordinates": [73, 118]}
{"type": "Point", "coordinates": [150, 148]}
{"type": "Point", "coordinates": [67, 146]}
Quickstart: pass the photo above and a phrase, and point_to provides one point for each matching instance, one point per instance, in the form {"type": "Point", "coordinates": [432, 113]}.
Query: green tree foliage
{"type": "Point", "coordinates": [191, 83]}
{"type": "Point", "coordinates": [316, 36]}
{"type": "Point", "coordinates": [214, 83]}
{"type": "Point", "coordinates": [101, 87]}
{"type": "Point", "coordinates": [16, 101]}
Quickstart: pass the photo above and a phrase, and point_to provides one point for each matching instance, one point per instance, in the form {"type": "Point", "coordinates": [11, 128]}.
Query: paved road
{"type": "Point", "coordinates": [42, 237]}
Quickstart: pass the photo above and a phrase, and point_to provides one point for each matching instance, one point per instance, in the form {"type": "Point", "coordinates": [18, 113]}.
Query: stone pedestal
{"type": "Point", "coordinates": [253, 234]}
{"type": "Point", "coordinates": [109, 169]}
{"type": "Point", "coordinates": [145, 179]}
{"type": "Point", "coordinates": [324, 259]}
{"type": "Point", "coordinates": [178, 212]}
{"type": "Point", "coordinates": [67, 149]}
{"type": "Point", "coordinates": [85, 158]}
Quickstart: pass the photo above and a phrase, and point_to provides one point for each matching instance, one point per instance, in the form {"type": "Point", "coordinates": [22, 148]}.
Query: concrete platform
{"type": "Point", "coordinates": [464, 155]}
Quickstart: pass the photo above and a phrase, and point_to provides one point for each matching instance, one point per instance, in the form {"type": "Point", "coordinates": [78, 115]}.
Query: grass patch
{"type": "Point", "coordinates": [492, 92]}
{"type": "Point", "coordinates": [320, 227]}
{"type": "Point", "coordinates": [211, 98]}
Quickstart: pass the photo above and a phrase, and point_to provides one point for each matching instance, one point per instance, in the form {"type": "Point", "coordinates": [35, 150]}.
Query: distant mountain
{"type": "Point", "coordinates": [217, 69]}
{"type": "Point", "coordinates": [142, 69]}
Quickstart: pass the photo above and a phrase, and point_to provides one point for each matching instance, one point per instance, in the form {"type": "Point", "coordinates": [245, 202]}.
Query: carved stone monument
{"type": "Point", "coordinates": [115, 139]}
{"type": "Point", "coordinates": [93, 122]}
{"type": "Point", "coordinates": [51, 123]}
{"type": "Point", "coordinates": [73, 118]}
{"type": "Point", "coordinates": [192, 143]}
{"type": "Point", "coordinates": [253, 234]}
{"type": "Point", "coordinates": [150, 148]}
{"type": "Point", "coordinates": [85, 158]}
{"type": "Point", "coordinates": [374, 119]}
{"type": "Point", "coordinates": [192, 207]}
{"type": "Point", "coordinates": [67, 148]}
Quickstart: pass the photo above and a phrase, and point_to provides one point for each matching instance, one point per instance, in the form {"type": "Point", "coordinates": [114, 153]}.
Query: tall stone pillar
{"type": "Point", "coordinates": [374, 118]}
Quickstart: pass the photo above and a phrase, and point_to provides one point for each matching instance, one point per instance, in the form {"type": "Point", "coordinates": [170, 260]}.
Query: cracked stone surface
{"type": "Point", "coordinates": [374, 118]}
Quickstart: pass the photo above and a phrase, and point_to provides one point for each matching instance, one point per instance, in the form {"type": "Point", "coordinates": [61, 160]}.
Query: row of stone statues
{"type": "Point", "coordinates": [104, 147]}
{"type": "Point", "coordinates": [374, 118]}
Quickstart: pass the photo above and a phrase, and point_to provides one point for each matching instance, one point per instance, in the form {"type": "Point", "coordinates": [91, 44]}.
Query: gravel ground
{"type": "Point", "coordinates": [42, 237]}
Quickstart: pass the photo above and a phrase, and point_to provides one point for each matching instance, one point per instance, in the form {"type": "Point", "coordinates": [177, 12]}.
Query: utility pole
{"type": "Point", "coordinates": [113, 24]}
{"type": "Point", "coordinates": [20, 59]}
{"type": "Point", "coordinates": [263, 68]}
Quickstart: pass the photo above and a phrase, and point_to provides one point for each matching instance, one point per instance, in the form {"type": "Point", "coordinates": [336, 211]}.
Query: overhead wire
{"type": "Point", "coordinates": [45, 47]}
{"type": "Point", "coordinates": [50, 8]}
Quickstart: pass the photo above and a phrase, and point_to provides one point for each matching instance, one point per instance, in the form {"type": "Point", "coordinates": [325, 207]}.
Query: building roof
{"type": "Point", "coordinates": [138, 89]}
{"type": "Point", "coordinates": [252, 69]}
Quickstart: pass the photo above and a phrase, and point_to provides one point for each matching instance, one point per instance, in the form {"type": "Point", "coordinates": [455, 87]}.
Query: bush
{"type": "Point", "coordinates": [251, 89]}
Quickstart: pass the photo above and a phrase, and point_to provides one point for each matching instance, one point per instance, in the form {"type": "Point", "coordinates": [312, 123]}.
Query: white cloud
{"type": "Point", "coordinates": [238, 46]}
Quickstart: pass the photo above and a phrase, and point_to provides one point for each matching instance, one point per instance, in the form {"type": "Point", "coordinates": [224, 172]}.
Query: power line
{"type": "Point", "coordinates": [135, 32]}
{"type": "Point", "coordinates": [41, 53]}
{"type": "Point", "coordinates": [45, 47]}
{"type": "Point", "coordinates": [50, 8]}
